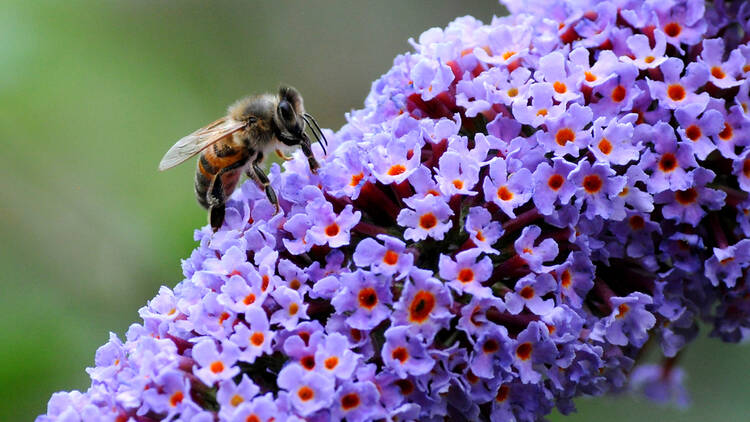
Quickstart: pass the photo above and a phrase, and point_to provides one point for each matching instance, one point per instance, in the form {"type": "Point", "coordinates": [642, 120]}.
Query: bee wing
{"type": "Point", "coordinates": [198, 141]}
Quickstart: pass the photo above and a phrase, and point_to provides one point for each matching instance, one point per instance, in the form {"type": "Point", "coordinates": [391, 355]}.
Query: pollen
{"type": "Point", "coordinates": [350, 401]}
{"type": "Point", "coordinates": [249, 299]}
{"type": "Point", "coordinates": [605, 146]}
{"type": "Point", "coordinates": [217, 367]}
{"type": "Point", "coordinates": [504, 194]}
{"type": "Point", "coordinates": [668, 162]}
{"type": "Point", "coordinates": [687, 196]}
{"type": "Point", "coordinates": [305, 393]}
{"type": "Point", "coordinates": [512, 92]}
{"type": "Point", "coordinates": [727, 133]}
{"type": "Point", "coordinates": [331, 363]}
{"type": "Point", "coordinates": [257, 339]}
{"type": "Point", "coordinates": [508, 54]}
{"type": "Point", "coordinates": [480, 236]}
{"type": "Point", "coordinates": [622, 310]}
{"type": "Point", "coordinates": [676, 92]}
{"type": "Point", "coordinates": [176, 398]}
{"type": "Point", "coordinates": [619, 93]}
{"type": "Point", "coordinates": [466, 275]}
{"type": "Point", "coordinates": [693, 132]}
{"type": "Point", "coordinates": [490, 346]}
{"type": "Point", "coordinates": [427, 221]}
{"type": "Point", "coordinates": [368, 298]}
{"type": "Point", "coordinates": [400, 354]}
{"type": "Point", "coordinates": [560, 87]}
{"type": "Point", "coordinates": [590, 77]}
{"type": "Point", "coordinates": [396, 169]}
{"type": "Point", "coordinates": [293, 309]}
{"type": "Point", "coordinates": [649, 59]}
{"type": "Point", "coordinates": [542, 112]}
{"type": "Point", "coordinates": [672, 29]}
{"type": "Point", "coordinates": [592, 183]}
{"type": "Point", "coordinates": [458, 184]}
{"type": "Point", "coordinates": [236, 400]}
{"type": "Point", "coordinates": [555, 182]}
{"type": "Point", "coordinates": [717, 72]}
{"type": "Point", "coordinates": [356, 179]}
{"type": "Point", "coordinates": [421, 306]}
{"type": "Point", "coordinates": [527, 292]}
{"type": "Point", "coordinates": [564, 135]}
{"type": "Point", "coordinates": [523, 351]}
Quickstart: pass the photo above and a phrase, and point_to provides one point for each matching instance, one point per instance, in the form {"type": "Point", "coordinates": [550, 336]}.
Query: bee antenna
{"type": "Point", "coordinates": [308, 118]}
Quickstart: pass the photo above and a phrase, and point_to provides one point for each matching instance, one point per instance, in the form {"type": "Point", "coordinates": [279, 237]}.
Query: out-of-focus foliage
{"type": "Point", "coordinates": [91, 95]}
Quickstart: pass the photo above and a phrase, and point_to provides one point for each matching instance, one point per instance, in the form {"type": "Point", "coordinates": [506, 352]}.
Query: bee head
{"type": "Point", "coordinates": [288, 116]}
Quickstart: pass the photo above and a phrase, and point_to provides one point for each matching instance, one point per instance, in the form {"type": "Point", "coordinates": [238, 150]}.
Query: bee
{"type": "Point", "coordinates": [238, 142]}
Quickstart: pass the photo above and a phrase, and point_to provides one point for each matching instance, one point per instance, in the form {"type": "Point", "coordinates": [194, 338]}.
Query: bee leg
{"type": "Point", "coordinates": [216, 197]}
{"type": "Point", "coordinates": [283, 156]}
{"type": "Point", "coordinates": [216, 216]}
{"type": "Point", "coordinates": [263, 179]}
{"type": "Point", "coordinates": [305, 145]}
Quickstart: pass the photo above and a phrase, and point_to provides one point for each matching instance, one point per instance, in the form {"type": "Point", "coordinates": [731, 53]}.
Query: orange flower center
{"type": "Point", "coordinates": [676, 92]}
{"type": "Point", "coordinates": [257, 338]}
{"type": "Point", "coordinates": [636, 222]}
{"type": "Point", "coordinates": [555, 182]}
{"type": "Point", "coordinates": [504, 194]}
{"type": "Point", "coordinates": [396, 169]}
{"type": "Point", "coordinates": [390, 258]}
{"type": "Point", "coordinates": [687, 196]}
{"type": "Point", "coordinates": [560, 87]}
{"type": "Point", "coordinates": [668, 162]}
{"type": "Point", "coordinates": [592, 183]}
{"type": "Point", "coordinates": [368, 298]}
{"type": "Point", "coordinates": [693, 132]}
{"type": "Point", "coordinates": [527, 292]}
{"type": "Point", "coordinates": [421, 306]}
{"type": "Point", "coordinates": [605, 146]}
{"type": "Point", "coordinates": [350, 401]}
{"type": "Point", "coordinates": [727, 133]}
{"type": "Point", "coordinates": [216, 367]}
{"type": "Point", "coordinates": [305, 393]}
{"type": "Point", "coordinates": [619, 93]}
{"type": "Point", "coordinates": [523, 351]}
{"type": "Point", "coordinates": [356, 179]}
{"type": "Point", "coordinates": [176, 398]}
{"type": "Point", "coordinates": [400, 354]}
{"type": "Point", "coordinates": [331, 363]}
{"type": "Point", "coordinates": [332, 230]}
{"type": "Point", "coordinates": [717, 72]}
{"type": "Point", "coordinates": [672, 29]}
{"type": "Point", "coordinates": [490, 346]}
{"type": "Point", "coordinates": [564, 135]}
{"type": "Point", "coordinates": [427, 221]}
{"type": "Point", "coordinates": [466, 275]}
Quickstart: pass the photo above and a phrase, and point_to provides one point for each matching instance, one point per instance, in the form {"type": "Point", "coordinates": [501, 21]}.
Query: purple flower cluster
{"type": "Point", "coordinates": [517, 210]}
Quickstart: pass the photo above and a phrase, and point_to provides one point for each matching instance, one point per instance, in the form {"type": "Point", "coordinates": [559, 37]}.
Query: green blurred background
{"type": "Point", "coordinates": [92, 93]}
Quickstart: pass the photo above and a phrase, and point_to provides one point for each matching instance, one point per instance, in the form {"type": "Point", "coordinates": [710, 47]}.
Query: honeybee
{"type": "Point", "coordinates": [238, 142]}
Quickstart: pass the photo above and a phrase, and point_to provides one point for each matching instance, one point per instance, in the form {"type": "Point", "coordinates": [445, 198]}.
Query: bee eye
{"type": "Point", "coordinates": [286, 110]}
{"type": "Point", "coordinates": [252, 119]}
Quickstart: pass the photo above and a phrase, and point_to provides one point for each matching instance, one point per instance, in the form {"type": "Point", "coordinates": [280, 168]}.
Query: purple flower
{"type": "Point", "coordinates": [727, 264]}
{"type": "Point", "coordinates": [533, 349]}
{"type": "Point", "coordinates": [677, 91]}
{"type": "Point", "coordinates": [529, 291]}
{"type": "Point", "coordinates": [687, 205]}
{"type": "Point", "coordinates": [597, 186]}
{"type": "Point", "coordinates": [628, 323]}
{"type": "Point", "coordinates": [366, 296]}
{"type": "Point", "coordinates": [645, 57]}
{"type": "Point", "coordinates": [428, 218]}
{"type": "Point", "coordinates": [534, 256]}
{"type": "Point", "coordinates": [357, 402]}
{"type": "Point", "coordinates": [213, 365]}
{"type": "Point", "coordinates": [256, 339]}
{"type": "Point", "coordinates": [308, 391]}
{"type": "Point", "coordinates": [390, 258]}
{"type": "Point", "coordinates": [483, 232]}
{"type": "Point", "coordinates": [507, 190]}
{"type": "Point", "coordinates": [567, 134]}
{"type": "Point", "coordinates": [661, 384]}
{"type": "Point", "coordinates": [424, 305]}
{"type": "Point", "coordinates": [551, 184]}
{"type": "Point", "coordinates": [405, 354]}
{"type": "Point", "coordinates": [465, 273]}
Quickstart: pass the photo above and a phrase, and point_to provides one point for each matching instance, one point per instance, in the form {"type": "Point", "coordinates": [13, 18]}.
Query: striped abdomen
{"type": "Point", "coordinates": [225, 158]}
